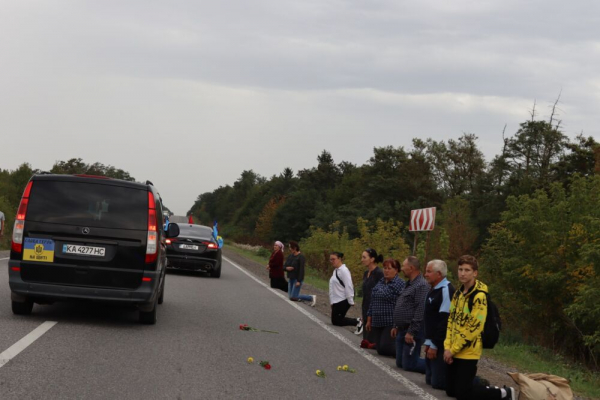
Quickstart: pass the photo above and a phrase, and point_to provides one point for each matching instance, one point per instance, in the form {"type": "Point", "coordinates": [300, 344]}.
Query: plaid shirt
{"type": "Point", "coordinates": [410, 307]}
{"type": "Point", "coordinates": [383, 299]}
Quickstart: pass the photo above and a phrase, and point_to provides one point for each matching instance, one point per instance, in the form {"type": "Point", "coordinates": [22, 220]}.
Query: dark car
{"type": "Point", "coordinates": [89, 237]}
{"type": "Point", "coordinates": [195, 249]}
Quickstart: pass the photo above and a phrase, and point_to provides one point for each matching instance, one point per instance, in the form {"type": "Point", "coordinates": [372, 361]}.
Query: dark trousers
{"type": "Point", "coordinates": [459, 382]}
{"type": "Point", "coordinates": [279, 283]}
{"type": "Point", "coordinates": [382, 336]}
{"type": "Point", "coordinates": [408, 357]}
{"type": "Point", "coordinates": [366, 334]}
{"type": "Point", "coordinates": [338, 314]}
{"type": "Point", "coordinates": [435, 371]}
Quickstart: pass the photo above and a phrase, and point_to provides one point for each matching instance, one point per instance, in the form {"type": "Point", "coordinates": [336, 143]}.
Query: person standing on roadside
{"type": "Point", "coordinates": [437, 310]}
{"type": "Point", "coordinates": [275, 268]}
{"type": "Point", "coordinates": [294, 265]}
{"type": "Point", "coordinates": [408, 318]}
{"type": "Point", "coordinates": [380, 317]}
{"type": "Point", "coordinates": [2, 220]}
{"type": "Point", "coordinates": [463, 345]}
{"type": "Point", "coordinates": [371, 277]}
{"type": "Point", "coordinates": [341, 293]}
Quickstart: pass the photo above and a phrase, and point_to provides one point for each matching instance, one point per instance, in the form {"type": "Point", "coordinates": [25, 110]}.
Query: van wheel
{"type": "Point", "coordinates": [23, 308]}
{"type": "Point", "coordinates": [148, 317]}
{"type": "Point", "coordinates": [161, 297]}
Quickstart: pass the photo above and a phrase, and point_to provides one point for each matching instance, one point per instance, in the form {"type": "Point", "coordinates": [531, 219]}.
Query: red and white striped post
{"type": "Point", "coordinates": [422, 220]}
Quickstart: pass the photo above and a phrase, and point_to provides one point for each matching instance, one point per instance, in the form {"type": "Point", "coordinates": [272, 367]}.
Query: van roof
{"type": "Point", "coordinates": [90, 179]}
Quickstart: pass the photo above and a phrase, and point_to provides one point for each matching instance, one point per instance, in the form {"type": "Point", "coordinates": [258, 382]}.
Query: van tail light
{"type": "Point", "coordinates": [146, 279]}
{"type": "Point", "coordinates": [19, 227]}
{"type": "Point", "coordinates": [151, 246]}
{"type": "Point", "coordinates": [211, 245]}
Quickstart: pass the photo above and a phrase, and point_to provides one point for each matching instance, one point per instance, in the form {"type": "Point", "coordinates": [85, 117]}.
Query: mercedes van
{"type": "Point", "coordinates": [82, 237]}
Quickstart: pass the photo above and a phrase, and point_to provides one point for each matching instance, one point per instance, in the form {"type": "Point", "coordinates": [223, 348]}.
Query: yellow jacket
{"type": "Point", "coordinates": [463, 334]}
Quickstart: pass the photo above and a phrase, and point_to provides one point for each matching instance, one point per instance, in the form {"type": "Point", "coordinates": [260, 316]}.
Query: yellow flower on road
{"type": "Point", "coordinates": [345, 368]}
{"type": "Point", "coordinates": [250, 360]}
{"type": "Point", "coordinates": [339, 368]}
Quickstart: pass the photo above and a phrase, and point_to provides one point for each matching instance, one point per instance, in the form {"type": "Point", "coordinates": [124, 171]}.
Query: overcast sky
{"type": "Point", "coordinates": [189, 93]}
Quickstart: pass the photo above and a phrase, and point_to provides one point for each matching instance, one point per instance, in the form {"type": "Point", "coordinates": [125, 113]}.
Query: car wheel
{"type": "Point", "coordinates": [22, 308]}
{"type": "Point", "coordinates": [161, 298]}
{"type": "Point", "coordinates": [149, 317]}
{"type": "Point", "coordinates": [216, 273]}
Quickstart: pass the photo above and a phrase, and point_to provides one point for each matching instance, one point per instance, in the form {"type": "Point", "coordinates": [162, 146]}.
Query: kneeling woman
{"type": "Point", "coordinates": [341, 294]}
{"type": "Point", "coordinates": [380, 317]}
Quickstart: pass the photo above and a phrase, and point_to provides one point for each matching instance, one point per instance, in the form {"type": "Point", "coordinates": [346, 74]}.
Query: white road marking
{"type": "Point", "coordinates": [386, 368]}
{"type": "Point", "coordinates": [22, 344]}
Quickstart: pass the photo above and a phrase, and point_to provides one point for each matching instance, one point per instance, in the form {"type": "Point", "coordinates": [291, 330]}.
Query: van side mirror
{"type": "Point", "coordinates": [173, 230]}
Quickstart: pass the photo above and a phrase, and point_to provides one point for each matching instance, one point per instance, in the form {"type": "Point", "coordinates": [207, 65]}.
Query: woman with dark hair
{"type": "Point", "coordinates": [341, 293]}
{"type": "Point", "coordinates": [372, 275]}
{"type": "Point", "coordinates": [294, 265]}
{"type": "Point", "coordinates": [380, 317]}
{"type": "Point", "coordinates": [275, 268]}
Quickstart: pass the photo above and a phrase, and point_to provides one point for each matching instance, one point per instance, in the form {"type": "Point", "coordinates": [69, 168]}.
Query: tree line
{"type": "Point", "coordinates": [531, 214]}
{"type": "Point", "coordinates": [13, 182]}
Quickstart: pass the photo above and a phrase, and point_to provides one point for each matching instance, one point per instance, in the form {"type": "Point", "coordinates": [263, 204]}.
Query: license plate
{"type": "Point", "coordinates": [188, 247]}
{"type": "Point", "coordinates": [84, 250]}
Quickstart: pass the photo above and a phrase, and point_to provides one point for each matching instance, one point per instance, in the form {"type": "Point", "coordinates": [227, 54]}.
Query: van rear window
{"type": "Point", "coordinates": [87, 204]}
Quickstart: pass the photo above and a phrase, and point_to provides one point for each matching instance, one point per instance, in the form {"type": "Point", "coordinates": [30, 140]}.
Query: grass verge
{"type": "Point", "coordinates": [531, 359]}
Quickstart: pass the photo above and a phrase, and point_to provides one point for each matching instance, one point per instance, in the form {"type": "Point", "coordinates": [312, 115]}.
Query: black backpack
{"type": "Point", "coordinates": [493, 323]}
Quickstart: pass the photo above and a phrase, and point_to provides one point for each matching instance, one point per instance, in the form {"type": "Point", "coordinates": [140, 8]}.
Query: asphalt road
{"type": "Point", "coordinates": [196, 350]}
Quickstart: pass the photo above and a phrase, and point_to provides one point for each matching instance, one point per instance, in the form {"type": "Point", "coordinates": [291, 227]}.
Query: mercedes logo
{"type": "Point", "coordinates": [85, 231]}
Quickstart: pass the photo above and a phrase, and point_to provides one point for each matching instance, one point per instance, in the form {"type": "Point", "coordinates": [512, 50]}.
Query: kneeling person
{"type": "Point", "coordinates": [437, 310]}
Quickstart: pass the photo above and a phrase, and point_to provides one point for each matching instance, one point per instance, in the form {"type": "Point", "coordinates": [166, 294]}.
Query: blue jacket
{"type": "Point", "coordinates": [437, 310]}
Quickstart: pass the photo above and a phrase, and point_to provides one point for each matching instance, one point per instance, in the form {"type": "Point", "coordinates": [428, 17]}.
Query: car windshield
{"type": "Point", "coordinates": [88, 204]}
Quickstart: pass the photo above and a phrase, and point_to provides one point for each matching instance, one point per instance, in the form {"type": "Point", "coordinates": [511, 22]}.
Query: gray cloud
{"type": "Point", "coordinates": [224, 83]}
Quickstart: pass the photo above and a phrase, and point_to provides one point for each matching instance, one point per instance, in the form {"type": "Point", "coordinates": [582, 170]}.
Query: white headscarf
{"type": "Point", "coordinates": [281, 246]}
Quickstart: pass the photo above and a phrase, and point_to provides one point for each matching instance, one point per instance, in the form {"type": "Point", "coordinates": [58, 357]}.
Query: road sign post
{"type": "Point", "coordinates": [422, 220]}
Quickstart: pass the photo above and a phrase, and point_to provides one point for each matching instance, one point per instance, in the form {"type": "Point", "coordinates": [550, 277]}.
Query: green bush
{"type": "Point", "coordinates": [262, 252]}
{"type": "Point", "coordinates": [383, 236]}
{"type": "Point", "coordinates": [543, 263]}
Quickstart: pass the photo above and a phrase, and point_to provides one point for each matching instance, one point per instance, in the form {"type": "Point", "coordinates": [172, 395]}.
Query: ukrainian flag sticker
{"type": "Point", "coordinates": [41, 250]}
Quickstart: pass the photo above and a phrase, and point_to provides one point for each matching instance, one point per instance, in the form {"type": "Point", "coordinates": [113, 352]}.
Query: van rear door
{"type": "Point", "coordinates": [85, 233]}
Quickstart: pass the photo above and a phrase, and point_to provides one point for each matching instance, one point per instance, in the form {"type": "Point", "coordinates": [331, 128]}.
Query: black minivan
{"type": "Point", "coordinates": [89, 237]}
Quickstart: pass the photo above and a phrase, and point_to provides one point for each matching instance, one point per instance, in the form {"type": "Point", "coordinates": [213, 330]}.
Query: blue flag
{"type": "Point", "coordinates": [215, 230]}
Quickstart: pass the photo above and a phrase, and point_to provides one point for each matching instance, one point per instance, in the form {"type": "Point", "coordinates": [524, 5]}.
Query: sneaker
{"type": "Point", "coordinates": [314, 301]}
{"type": "Point", "coordinates": [510, 393]}
{"type": "Point", "coordinates": [359, 327]}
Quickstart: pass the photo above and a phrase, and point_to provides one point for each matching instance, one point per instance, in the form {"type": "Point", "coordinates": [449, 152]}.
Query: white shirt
{"type": "Point", "coordinates": [337, 292]}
